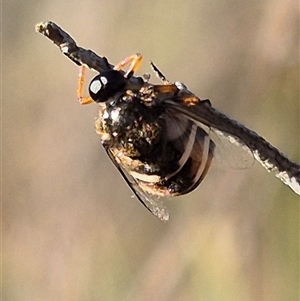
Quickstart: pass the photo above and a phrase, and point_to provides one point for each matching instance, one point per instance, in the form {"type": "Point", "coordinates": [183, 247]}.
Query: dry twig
{"type": "Point", "coordinates": [68, 47]}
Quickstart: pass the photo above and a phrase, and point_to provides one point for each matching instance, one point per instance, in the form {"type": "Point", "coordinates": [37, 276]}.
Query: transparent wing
{"type": "Point", "coordinates": [230, 151]}
{"type": "Point", "coordinates": [266, 154]}
{"type": "Point", "coordinates": [152, 203]}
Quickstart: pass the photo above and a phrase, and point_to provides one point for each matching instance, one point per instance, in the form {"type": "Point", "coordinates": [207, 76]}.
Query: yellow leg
{"type": "Point", "coordinates": [165, 88]}
{"type": "Point", "coordinates": [134, 61]}
{"type": "Point", "coordinates": [83, 100]}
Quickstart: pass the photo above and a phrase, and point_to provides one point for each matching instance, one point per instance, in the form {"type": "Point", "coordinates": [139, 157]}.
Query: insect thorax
{"type": "Point", "coordinates": [126, 123]}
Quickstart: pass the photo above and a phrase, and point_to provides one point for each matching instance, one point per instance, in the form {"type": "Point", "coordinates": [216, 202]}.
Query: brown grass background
{"type": "Point", "coordinates": [71, 230]}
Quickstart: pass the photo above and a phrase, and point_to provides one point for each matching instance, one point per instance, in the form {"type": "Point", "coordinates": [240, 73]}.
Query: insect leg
{"type": "Point", "coordinates": [159, 74]}
{"type": "Point", "coordinates": [83, 100]}
{"type": "Point", "coordinates": [165, 89]}
{"type": "Point", "coordinates": [134, 61]}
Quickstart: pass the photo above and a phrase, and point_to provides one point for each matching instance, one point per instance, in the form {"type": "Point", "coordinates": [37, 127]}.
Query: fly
{"type": "Point", "coordinates": [163, 138]}
{"type": "Point", "coordinates": [161, 141]}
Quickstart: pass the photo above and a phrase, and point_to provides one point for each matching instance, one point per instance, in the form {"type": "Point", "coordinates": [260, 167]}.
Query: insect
{"type": "Point", "coordinates": [163, 138]}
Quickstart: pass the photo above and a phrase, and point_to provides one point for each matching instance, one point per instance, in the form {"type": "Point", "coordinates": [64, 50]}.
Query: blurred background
{"type": "Point", "coordinates": [71, 229]}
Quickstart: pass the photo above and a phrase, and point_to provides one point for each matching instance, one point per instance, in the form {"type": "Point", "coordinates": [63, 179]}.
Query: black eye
{"type": "Point", "coordinates": [106, 85]}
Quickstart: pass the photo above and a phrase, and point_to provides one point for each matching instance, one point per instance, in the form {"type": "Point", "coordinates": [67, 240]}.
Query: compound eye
{"type": "Point", "coordinates": [95, 86]}
{"type": "Point", "coordinates": [106, 85]}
